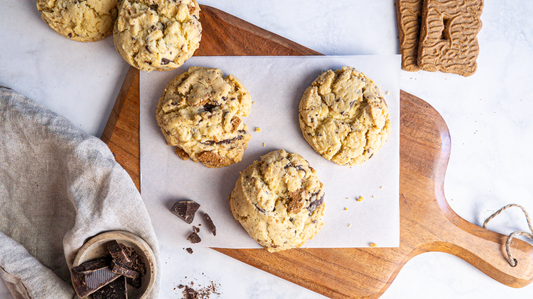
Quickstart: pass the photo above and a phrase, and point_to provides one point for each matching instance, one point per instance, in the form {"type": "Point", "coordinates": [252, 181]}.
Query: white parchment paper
{"type": "Point", "coordinates": [276, 85]}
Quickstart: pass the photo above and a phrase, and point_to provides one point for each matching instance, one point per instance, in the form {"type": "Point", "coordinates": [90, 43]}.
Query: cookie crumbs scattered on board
{"type": "Point", "coordinates": [373, 245]}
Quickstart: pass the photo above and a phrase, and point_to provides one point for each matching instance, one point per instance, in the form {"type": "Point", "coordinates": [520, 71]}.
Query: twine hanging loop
{"type": "Point", "coordinates": [512, 261]}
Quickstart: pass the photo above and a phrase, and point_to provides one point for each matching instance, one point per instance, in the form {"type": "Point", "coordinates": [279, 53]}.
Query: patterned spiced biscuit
{"type": "Point", "coordinates": [448, 36]}
{"type": "Point", "coordinates": [200, 114]}
{"type": "Point", "coordinates": [80, 20]}
{"type": "Point", "coordinates": [157, 34]}
{"type": "Point", "coordinates": [279, 201]}
{"type": "Point", "coordinates": [344, 117]}
{"type": "Point", "coordinates": [409, 13]}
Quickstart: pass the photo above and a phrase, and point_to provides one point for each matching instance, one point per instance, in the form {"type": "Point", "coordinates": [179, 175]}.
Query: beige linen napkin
{"type": "Point", "coordinates": [59, 186]}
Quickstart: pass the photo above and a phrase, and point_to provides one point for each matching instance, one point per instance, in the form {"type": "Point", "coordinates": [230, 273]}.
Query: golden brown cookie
{"type": "Point", "coordinates": [83, 21]}
{"type": "Point", "coordinates": [157, 34]}
{"type": "Point", "coordinates": [409, 13]}
{"type": "Point", "coordinates": [200, 114]}
{"type": "Point", "coordinates": [279, 201]}
{"type": "Point", "coordinates": [448, 36]}
{"type": "Point", "coordinates": [344, 116]}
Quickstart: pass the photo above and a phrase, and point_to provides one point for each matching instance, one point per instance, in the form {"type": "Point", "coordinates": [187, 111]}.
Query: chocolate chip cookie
{"type": "Point", "coordinates": [200, 114]}
{"type": "Point", "coordinates": [344, 117]}
{"type": "Point", "coordinates": [157, 34]}
{"type": "Point", "coordinates": [279, 201]}
{"type": "Point", "coordinates": [80, 20]}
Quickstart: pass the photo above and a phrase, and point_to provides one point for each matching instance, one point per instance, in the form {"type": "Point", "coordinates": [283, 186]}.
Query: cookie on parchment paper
{"type": "Point", "coordinates": [279, 201]}
{"type": "Point", "coordinates": [200, 113]}
{"type": "Point", "coordinates": [344, 116]}
{"type": "Point", "coordinates": [409, 14]}
{"type": "Point", "coordinates": [83, 21]}
{"type": "Point", "coordinates": [157, 34]}
{"type": "Point", "coordinates": [448, 36]}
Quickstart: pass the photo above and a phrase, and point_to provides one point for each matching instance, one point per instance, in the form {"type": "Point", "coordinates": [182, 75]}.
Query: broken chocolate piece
{"type": "Point", "coordinates": [189, 250]}
{"type": "Point", "coordinates": [185, 210]}
{"type": "Point", "coordinates": [210, 224]}
{"type": "Point", "coordinates": [136, 283]}
{"type": "Point", "coordinates": [195, 229]}
{"type": "Point", "coordinates": [117, 253]}
{"type": "Point", "coordinates": [90, 276]}
{"type": "Point", "coordinates": [124, 270]}
{"type": "Point", "coordinates": [114, 290]}
{"type": "Point", "coordinates": [194, 238]}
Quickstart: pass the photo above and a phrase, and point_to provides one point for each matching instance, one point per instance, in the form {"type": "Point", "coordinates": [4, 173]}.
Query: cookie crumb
{"type": "Point", "coordinates": [373, 245]}
{"type": "Point", "coordinates": [360, 198]}
{"type": "Point", "coordinates": [347, 198]}
{"type": "Point", "coordinates": [263, 144]}
{"type": "Point", "coordinates": [349, 225]}
{"type": "Point", "coordinates": [380, 187]}
{"type": "Point", "coordinates": [258, 129]}
{"type": "Point", "coordinates": [345, 208]}
{"type": "Point", "coordinates": [373, 196]}
{"type": "Point", "coordinates": [387, 93]}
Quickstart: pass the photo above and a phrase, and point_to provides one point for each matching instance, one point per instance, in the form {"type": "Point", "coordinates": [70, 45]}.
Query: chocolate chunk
{"type": "Point", "coordinates": [189, 250]}
{"type": "Point", "coordinates": [117, 253]}
{"type": "Point", "coordinates": [210, 224]}
{"type": "Point", "coordinates": [114, 290]}
{"type": "Point", "coordinates": [195, 229]}
{"type": "Point", "coordinates": [209, 107]}
{"type": "Point", "coordinates": [185, 210]}
{"type": "Point", "coordinates": [313, 205]}
{"type": "Point", "coordinates": [194, 238]}
{"type": "Point", "coordinates": [165, 61]}
{"type": "Point", "coordinates": [124, 270]}
{"type": "Point", "coordinates": [136, 283]}
{"type": "Point", "coordinates": [90, 276]}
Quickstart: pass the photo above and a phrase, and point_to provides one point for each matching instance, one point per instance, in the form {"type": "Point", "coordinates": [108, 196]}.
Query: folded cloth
{"type": "Point", "coordinates": [59, 186]}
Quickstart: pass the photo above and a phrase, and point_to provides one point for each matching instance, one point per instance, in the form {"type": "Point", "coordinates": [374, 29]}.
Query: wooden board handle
{"type": "Point", "coordinates": [485, 249]}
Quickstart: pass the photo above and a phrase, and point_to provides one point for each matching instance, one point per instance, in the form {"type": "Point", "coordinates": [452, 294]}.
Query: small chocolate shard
{"type": "Point", "coordinates": [124, 270]}
{"type": "Point", "coordinates": [165, 61]}
{"type": "Point", "coordinates": [194, 238]}
{"type": "Point", "coordinates": [117, 253]}
{"type": "Point", "coordinates": [195, 229]}
{"type": "Point", "coordinates": [90, 276]}
{"type": "Point", "coordinates": [189, 250]}
{"type": "Point", "coordinates": [114, 290]}
{"type": "Point", "coordinates": [210, 224]}
{"type": "Point", "coordinates": [185, 210]}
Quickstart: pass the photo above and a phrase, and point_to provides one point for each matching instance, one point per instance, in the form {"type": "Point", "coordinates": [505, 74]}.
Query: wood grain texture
{"type": "Point", "coordinates": [427, 223]}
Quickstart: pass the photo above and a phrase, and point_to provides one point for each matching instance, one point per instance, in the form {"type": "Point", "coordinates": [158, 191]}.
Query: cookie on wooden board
{"type": "Point", "coordinates": [344, 116]}
{"type": "Point", "coordinates": [200, 114]}
{"type": "Point", "coordinates": [409, 13]}
{"type": "Point", "coordinates": [279, 201]}
{"type": "Point", "coordinates": [83, 21]}
{"type": "Point", "coordinates": [157, 34]}
{"type": "Point", "coordinates": [448, 36]}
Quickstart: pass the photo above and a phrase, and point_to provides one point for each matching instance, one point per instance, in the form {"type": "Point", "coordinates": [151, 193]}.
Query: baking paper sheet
{"type": "Point", "coordinates": [276, 85]}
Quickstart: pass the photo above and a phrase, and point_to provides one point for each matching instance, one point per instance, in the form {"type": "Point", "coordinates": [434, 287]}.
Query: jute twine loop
{"type": "Point", "coordinates": [512, 261]}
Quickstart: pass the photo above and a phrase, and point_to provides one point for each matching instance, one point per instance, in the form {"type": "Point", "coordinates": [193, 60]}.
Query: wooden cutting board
{"type": "Point", "coordinates": [427, 223]}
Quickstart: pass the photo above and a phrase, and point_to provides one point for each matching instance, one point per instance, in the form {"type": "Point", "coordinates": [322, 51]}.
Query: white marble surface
{"type": "Point", "coordinates": [488, 115]}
